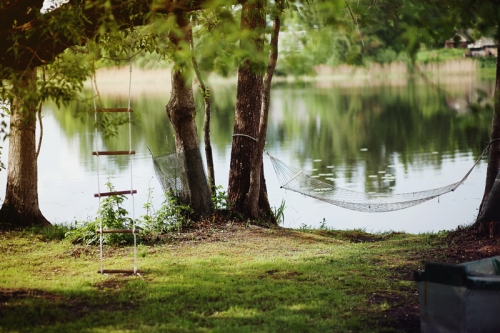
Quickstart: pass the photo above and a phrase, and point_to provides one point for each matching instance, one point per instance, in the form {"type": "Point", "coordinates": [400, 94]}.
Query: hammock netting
{"type": "Point", "coordinates": [170, 171]}
{"type": "Point", "coordinates": [295, 180]}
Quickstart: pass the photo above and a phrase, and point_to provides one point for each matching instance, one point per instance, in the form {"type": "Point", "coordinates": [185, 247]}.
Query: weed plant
{"type": "Point", "coordinates": [279, 212]}
{"type": "Point", "coordinates": [219, 198]}
{"type": "Point", "coordinates": [112, 215]}
{"type": "Point", "coordinates": [172, 216]}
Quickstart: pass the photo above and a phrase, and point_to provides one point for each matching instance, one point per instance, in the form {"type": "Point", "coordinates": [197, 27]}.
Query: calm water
{"type": "Point", "coordinates": [422, 136]}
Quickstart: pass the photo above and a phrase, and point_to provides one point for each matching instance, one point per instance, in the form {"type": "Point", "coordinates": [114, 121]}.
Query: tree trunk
{"type": "Point", "coordinates": [181, 112]}
{"type": "Point", "coordinates": [20, 207]}
{"type": "Point", "coordinates": [487, 211]}
{"type": "Point", "coordinates": [247, 113]}
{"type": "Point", "coordinates": [252, 200]}
{"type": "Point", "coordinates": [488, 221]}
{"type": "Point", "coordinates": [494, 159]}
{"type": "Point", "coordinates": [206, 124]}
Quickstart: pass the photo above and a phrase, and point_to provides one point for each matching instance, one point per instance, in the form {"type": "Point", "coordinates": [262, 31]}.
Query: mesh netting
{"type": "Point", "coordinates": [183, 176]}
{"type": "Point", "coordinates": [168, 172]}
{"type": "Point", "coordinates": [180, 174]}
{"type": "Point", "coordinates": [295, 180]}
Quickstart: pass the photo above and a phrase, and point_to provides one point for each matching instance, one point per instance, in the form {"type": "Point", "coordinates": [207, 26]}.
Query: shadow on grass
{"type": "Point", "coordinates": [319, 293]}
{"type": "Point", "coordinates": [328, 236]}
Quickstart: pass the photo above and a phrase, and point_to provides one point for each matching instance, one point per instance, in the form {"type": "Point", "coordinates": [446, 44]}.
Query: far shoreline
{"type": "Point", "coordinates": [114, 81]}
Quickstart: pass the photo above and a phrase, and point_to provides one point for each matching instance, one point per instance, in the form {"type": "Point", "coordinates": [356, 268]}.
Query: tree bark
{"type": "Point", "coordinates": [247, 113]}
{"type": "Point", "coordinates": [488, 222]}
{"type": "Point", "coordinates": [494, 153]}
{"type": "Point", "coordinates": [181, 112]}
{"type": "Point", "coordinates": [252, 200]}
{"type": "Point", "coordinates": [206, 124]}
{"type": "Point", "coordinates": [488, 214]}
{"type": "Point", "coordinates": [20, 207]}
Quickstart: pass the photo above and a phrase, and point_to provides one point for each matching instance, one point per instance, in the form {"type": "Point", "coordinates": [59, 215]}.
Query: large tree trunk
{"type": "Point", "coordinates": [252, 200]}
{"type": "Point", "coordinates": [487, 213]}
{"type": "Point", "coordinates": [247, 113]}
{"type": "Point", "coordinates": [20, 207]}
{"type": "Point", "coordinates": [181, 112]}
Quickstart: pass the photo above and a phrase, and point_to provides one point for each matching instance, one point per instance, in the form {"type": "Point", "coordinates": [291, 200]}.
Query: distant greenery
{"type": "Point", "coordinates": [440, 55]}
{"type": "Point", "coordinates": [487, 67]}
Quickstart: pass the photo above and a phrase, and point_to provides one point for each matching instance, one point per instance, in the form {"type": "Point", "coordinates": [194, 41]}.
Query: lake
{"type": "Point", "coordinates": [386, 136]}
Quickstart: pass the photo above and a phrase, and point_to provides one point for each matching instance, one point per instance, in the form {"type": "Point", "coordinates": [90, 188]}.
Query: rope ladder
{"type": "Point", "coordinates": [97, 153]}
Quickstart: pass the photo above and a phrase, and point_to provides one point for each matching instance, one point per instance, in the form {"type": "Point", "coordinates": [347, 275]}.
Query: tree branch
{"type": "Point", "coordinates": [29, 38]}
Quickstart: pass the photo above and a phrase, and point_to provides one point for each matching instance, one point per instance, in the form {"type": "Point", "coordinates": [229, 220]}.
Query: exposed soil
{"type": "Point", "coordinates": [463, 245]}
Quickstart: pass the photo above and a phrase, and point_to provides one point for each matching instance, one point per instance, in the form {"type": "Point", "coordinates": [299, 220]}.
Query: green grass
{"type": "Point", "coordinates": [252, 280]}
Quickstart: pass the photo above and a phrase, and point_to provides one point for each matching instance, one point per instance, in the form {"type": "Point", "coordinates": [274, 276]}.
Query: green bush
{"type": "Point", "coordinates": [55, 232]}
{"type": "Point", "coordinates": [171, 217]}
{"type": "Point", "coordinates": [112, 216]}
{"type": "Point", "coordinates": [219, 198]}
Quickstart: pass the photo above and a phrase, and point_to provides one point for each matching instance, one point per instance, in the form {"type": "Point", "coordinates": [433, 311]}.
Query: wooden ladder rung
{"type": "Point", "coordinates": [114, 152]}
{"type": "Point", "coordinates": [108, 194]}
{"type": "Point", "coordinates": [118, 231]}
{"type": "Point", "coordinates": [114, 110]}
{"type": "Point", "coordinates": [113, 271]}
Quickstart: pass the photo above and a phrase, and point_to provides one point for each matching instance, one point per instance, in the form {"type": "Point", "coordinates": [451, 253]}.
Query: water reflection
{"type": "Point", "coordinates": [369, 131]}
{"type": "Point", "coordinates": [383, 139]}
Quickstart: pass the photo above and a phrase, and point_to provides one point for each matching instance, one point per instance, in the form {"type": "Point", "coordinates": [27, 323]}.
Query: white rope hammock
{"type": "Point", "coordinates": [295, 180]}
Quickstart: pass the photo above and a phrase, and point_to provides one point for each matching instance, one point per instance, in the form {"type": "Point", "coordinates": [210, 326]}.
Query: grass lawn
{"type": "Point", "coordinates": [230, 278]}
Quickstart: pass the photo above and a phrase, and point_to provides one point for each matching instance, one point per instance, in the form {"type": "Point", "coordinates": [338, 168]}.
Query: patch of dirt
{"type": "Point", "coordinates": [73, 307]}
{"type": "Point", "coordinates": [6, 295]}
{"type": "Point", "coordinates": [84, 251]}
{"type": "Point", "coordinates": [460, 246]}
{"type": "Point", "coordinates": [278, 275]}
{"type": "Point", "coordinates": [115, 283]}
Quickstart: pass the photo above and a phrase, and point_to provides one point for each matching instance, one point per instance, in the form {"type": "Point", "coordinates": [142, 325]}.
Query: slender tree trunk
{"type": "Point", "coordinates": [488, 221]}
{"type": "Point", "coordinates": [252, 201]}
{"type": "Point", "coordinates": [486, 211]}
{"type": "Point", "coordinates": [20, 207]}
{"type": "Point", "coordinates": [181, 112]}
{"type": "Point", "coordinates": [206, 125]}
{"type": "Point", "coordinates": [247, 112]}
{"type": "Point", "coordinates": [494, 154]}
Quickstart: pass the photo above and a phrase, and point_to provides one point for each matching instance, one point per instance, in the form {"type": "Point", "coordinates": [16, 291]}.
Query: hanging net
{"type": "Point", "coordinates": [178, 172]}
{"type": "Point", "coordinates": [168, 173]}
{"type": "Point", "coordinates": [295, 180]}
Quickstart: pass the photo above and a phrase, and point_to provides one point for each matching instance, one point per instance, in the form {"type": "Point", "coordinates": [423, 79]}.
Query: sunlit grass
{"type": "Point", "coordinates": [261, 280]}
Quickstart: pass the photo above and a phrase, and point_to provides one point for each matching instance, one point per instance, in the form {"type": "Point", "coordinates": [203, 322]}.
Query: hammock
{"type": "Point", "coordinates": [171, 177]}
{"type": "Point", "coordinates": [295, 180]}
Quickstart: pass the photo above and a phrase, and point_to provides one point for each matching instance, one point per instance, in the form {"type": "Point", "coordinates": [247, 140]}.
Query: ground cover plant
{"type": "Point", "coordinates": [225, 276]}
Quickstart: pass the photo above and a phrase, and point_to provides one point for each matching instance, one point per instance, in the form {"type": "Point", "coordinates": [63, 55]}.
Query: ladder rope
{"type": "Point", "coordinates": [94, 89]}
{"type": "Point", "coordinates": [95, 94]}
{"type": "Point", "coordinates": [131, 165]}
